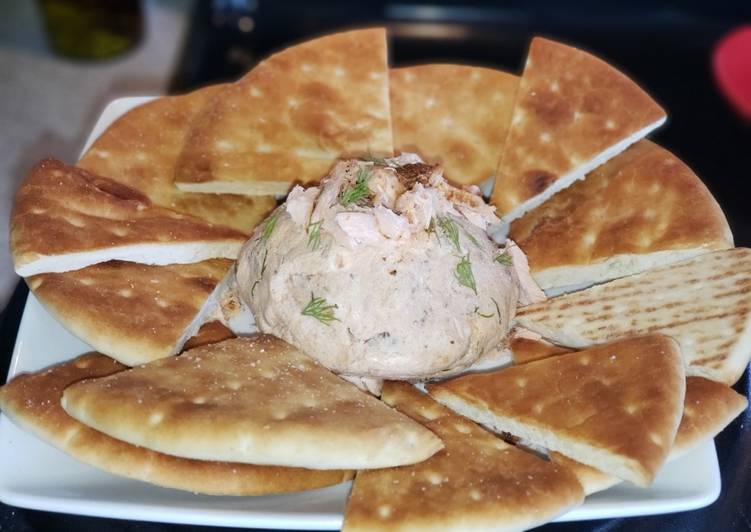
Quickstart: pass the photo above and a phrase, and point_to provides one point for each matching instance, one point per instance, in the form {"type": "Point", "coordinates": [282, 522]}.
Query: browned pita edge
{"type": "Point", "coordinates": [320, 100]}
{"type": "Point", "coordinates": [709, 407]}
{"type": "Point", "coordinates": [252, 400]}
{"type": "Point", "coordinates": [454, 115]}
{"type": "Point", "coordinates": [703, 302]}
{"type": "Point", "coordinates": [478, 482]}
{"type": "Point", "coordinates": [641, 209]}
{"type": "Point", "coordinates": [211, 332]}
{"type": "Point", "coordinates": [32, 401]}
{"type": "Point", "coordinates": [65, 218]}
{"type": "Point", "coordinates": [591, 479]}
{"type": "Point", "coordinates": [614, 407]}
{"type": "Point", "coordinates": [528, 350]}
{"type": "Point", "coordinates": [141, 148]}
{"type": "Point", "coordinates": [572, 113]}
{"type": "Point", "coordinates": [132, 312]}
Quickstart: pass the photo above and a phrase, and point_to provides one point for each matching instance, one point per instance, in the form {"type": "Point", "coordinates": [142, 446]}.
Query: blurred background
{"type": "Point", "coordinates": [62, 61]}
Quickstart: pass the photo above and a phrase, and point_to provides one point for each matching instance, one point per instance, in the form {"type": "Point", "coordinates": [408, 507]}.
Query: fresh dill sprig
{"type": "Point", "coordinates": [319, 309]}
{"type": "Point", "coordinates": [477, 311]}
{"type": "Point", "coordinates": [357, 192]}
{"type": "Point", "coordinates": [314, 234]}
{"type": "Point", "coordinates": [263, 270]}
{"type": "Point", "coordinates": [268, 228]}
{"type": "Point", "coordinates": [263, 262]}
{"type": "Point", "coordinates": [497, 308]}
{"type": "Point", "coordinates": [451, 230]}
{"type": "Point", "coordinates": [463, 273]}
{"type": "Point", "coordinates": [472, 238]}
{"type": "Point", "coordinates": [505, 259]}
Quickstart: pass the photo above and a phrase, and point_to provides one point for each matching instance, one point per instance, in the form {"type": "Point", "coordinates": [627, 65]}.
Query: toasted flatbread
{"type": "Point", "coordinates": [455, 115]}
{"type": "Point", "coordinates": [211, 332]}
{"type": "Point", "coordinates": [615, 407]}
{"type": "Point", "coordinates": [251, 400]}
{"type": "Point", "coordinates": [132, 312]}
{"type": "Point", "coordinates": [291, 116]}
{"type": "Point", "coordinates": [32, 401]}
{"type": "Point", "coordinates": [141, 148]}
{"type": "Point", "coordinates": [66, 218]}
{"type": "Point", "coordinates": [572, 113]}
{"type": "Point", "coordinates": [704, 303]}
{"type": "Point", "coordinates": [643, 208]}
{"type": "Point", "coordinates": [528, 350]}
{"type": "Point", "coordinates": [708, 408]}
{"type": "Point", "coordinates": [478, 482]}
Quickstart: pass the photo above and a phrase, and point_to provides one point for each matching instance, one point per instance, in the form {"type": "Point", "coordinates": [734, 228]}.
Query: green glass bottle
{"type": "Point", "coordinates": [92, 29]}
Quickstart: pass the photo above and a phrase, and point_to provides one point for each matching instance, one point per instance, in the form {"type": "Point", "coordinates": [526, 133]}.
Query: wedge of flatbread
{"type": "Point", "coordinates": [252, 400]}
{"type": "Point", "coordinates": [704, 303]}
{"type": "Point", "coordinates": [615, 407]}
{"type": "Point", "coordinates": [708, 408]}
{"type": "Point", "coordinates": [32, 401]}
{"type": "Point", "coordinates": [291, 116]}
{"type": "Point", "coordinates": [572, 113]}
{"type": "Point", "coordinates": [65, 218]}
{"type": "Point", "coordinates": [132, 312]}
{"type": "Point", "coordinates": [528, 350]}
{"type": "Point", "coordinates": [643, 208]}
{"type": "Point", "coordinates": [478, 482]}
{"type": "Point", "coordinates": [454, 115]}
{"type": "Point", "coordinates": [141, 148]}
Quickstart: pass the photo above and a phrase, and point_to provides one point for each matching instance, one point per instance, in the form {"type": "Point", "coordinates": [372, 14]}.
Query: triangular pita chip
{"type": "Point", "coordinates": [455, 115]}
{"type": "Point", "coordinates": [251, 400]}
{"type": "Point", "coordinates": [708, 408]}
{"type": "Point", "coordinates": [572, 113]}
{"type": "Point", "coordinates": [528, 350]}
{"type": "Point", "coordinates": [132, 312]}
{"type": "Point", "coordinates": [592, 480]}
{"type": "Point", "coordinates": [291, 116]}
{"type": "Point", "coordinates": [614, 407]}
{"type": "Point", "coordinates": [66, 218]}
{"type": "Point", "coordinates": [478, 482]}
{"type": "Point", "coordinates": [141, 148]}
{"type": "Point", "coordinates": [211, 332]}
{"type": "Point", "coordinates": [32, 401]}
{"type": "Point", "coordinates": [643, 208]}
{"type": "Point", "coordinates": [704, 303]}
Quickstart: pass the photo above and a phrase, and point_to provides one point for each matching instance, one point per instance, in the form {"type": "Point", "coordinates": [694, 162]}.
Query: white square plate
{"type": "Point", "coordinates": [36, 475]}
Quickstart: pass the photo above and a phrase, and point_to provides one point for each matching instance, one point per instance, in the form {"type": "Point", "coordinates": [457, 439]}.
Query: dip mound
{"type": "Point", "coordinates": [385, 271]}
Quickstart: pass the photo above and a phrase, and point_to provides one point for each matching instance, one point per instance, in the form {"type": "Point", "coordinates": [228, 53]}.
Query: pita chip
{"type": "Point", "coordinates": [643, 208]}
{"type": "Point", "coordinates": [32, 401]}
{"type": "Point", "coordinates": [132, 312]}
{"type": "Point", "coordinates": [251, 400]}
{"type": "Point", "coordinates": [454, 115]}
{"type": "Point", "coordinates": [704, 303]}
{"type": "Point", "coordinates": [292, 116]}
{"type": "Point", "coordinates": [477, 482]}
{"type": "Point", "coordinates": [614, 407]}
{"type": "Point", "coordinates": [141, 148]}
{"type": "Point", "coordinates": [709, 407]}
{"type": "Point", "coordinates": [66, 218]}
{"type": "Point", "coordinates": [573, 112]}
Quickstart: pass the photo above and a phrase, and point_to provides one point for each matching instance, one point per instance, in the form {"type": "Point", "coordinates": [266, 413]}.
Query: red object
{"type": "Point", "coordinates": [731, 63]}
